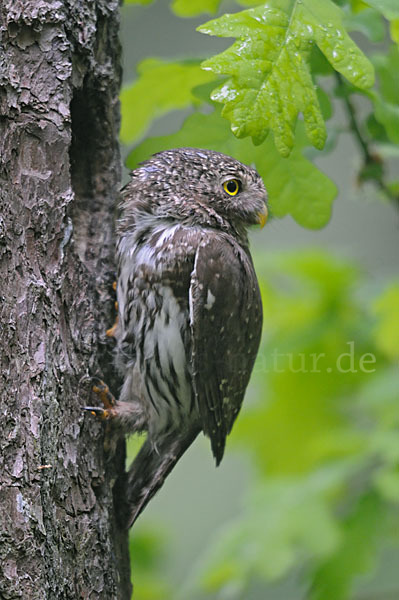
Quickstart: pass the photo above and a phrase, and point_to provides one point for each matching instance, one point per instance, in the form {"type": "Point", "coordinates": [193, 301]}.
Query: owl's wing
{"type": "Point", "coordinates": [226, 323]}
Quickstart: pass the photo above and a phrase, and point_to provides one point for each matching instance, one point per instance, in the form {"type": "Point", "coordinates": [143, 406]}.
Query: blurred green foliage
{"type": "Point", "coordinates": [386, 100]}
{"type": "Point", "coordinates": [322, 423]}
{"type": "Point", "coordinates": [147, 551]}
{"type": "Point", "coordinates": [389, 8]}
{"type": "Point", "coordinates": [146, 99]}
{"type": "Point", "coordinates": [327, 489]}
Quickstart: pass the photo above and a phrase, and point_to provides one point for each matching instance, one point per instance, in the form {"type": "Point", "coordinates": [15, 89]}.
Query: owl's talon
{"type": "Point", "coordinates": [102, 390]}
{"type": "Point", "coordinates": [111, 331]}
{"type": "Point", "coordinates": [103, 413]}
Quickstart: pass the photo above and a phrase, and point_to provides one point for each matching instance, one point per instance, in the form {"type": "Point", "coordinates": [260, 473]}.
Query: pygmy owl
{"type": "Point", "coordinates": [190, 313]}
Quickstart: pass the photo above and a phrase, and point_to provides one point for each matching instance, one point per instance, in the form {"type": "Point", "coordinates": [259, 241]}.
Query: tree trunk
{"type": "Point", "coordinates": [59, 174]}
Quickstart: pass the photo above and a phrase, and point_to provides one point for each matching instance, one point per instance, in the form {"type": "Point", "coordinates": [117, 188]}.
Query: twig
{"type": "Point", "coordinates": [370, 159]}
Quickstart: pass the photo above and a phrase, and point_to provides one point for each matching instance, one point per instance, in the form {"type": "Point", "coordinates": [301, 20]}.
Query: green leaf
{"type": "Point", "coordinates": [376, 130]}
{"type": "Point", "coordinates": [319, 65]}
{"type": "Point", "coordinates": [386, 104]}
{"type": "Point", "coordinates": [394, 30]}
{"type": "Point", "coordinates": [325, 103]}
{"type": "Point", "coordinates": [192, 8]}
{"type": "Point", "coordinates": [387, 331]}
{"type": "Point", "coordinates": [294, 184]}
{"type": "Point", "coordinates": [387, 68]}
{"type": "Point", "coordinates": [388, 115]}
{"type": "Point", "coordinates": [160, 88]}
{"type": "Point", "coordinates": [389, 8]}
{"type": "Point", "coordinates": [270, 80]}
{"type": "Point", "coordinates": [356, 5]}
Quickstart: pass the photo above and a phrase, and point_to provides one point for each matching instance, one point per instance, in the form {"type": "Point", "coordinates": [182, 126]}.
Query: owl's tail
{"type": "Point", "coordinates": [150, 468]}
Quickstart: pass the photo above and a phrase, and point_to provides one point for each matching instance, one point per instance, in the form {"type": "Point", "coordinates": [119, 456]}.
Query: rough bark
{"type": "Point", "coordinates": [59, 172]}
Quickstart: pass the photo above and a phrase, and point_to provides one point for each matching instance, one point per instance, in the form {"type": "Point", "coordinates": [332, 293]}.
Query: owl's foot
{"type": "Point", "coordinates": [108, 410]}
{"type": "Point", "coordinates": [111, 331]}
{"type": "Point", "coordinates": [101, 389]}
{"type": "Point", "coordinates": [102, 413]}
{"type": "Point", "coordinates": [128, 416]}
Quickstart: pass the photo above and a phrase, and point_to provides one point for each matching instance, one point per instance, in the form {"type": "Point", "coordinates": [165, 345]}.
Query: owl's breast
{"type": "Point", "coordinates": [154, 333]}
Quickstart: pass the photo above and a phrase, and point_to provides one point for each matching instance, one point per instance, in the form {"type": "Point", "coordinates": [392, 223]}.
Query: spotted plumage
{"type": "Point", "coordinates": [190, 313]}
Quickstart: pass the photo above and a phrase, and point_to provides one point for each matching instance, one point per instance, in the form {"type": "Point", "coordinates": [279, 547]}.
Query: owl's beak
{"type": "Point", "coordinates": [262, 217]}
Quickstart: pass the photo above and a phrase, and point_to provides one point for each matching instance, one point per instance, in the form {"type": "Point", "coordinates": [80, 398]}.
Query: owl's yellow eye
{"type": "Point", "coordinates": [232, 187]}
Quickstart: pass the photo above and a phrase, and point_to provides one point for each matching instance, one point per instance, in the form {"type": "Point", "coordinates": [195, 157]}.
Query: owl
{"type": "Point", "coordinates": [190, 313]}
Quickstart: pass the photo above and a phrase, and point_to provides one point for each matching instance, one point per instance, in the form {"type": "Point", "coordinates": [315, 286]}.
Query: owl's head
{"type": "Point", "coordinates": [198, 187]}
